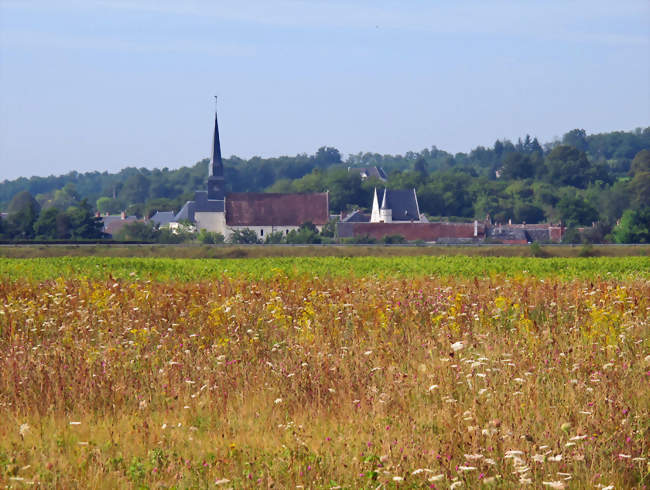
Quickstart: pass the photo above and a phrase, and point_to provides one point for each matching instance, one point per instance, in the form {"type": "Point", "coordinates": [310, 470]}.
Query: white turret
{"type": "Point", "coordinates": [385, 213]}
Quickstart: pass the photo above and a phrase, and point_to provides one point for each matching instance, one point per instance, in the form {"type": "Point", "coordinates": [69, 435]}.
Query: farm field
{"type": "Point", "coordinates": [405, 372]}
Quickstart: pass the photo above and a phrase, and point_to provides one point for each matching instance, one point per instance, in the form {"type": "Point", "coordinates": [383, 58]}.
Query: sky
{"type": "Point", "coordinates": [100, 85]}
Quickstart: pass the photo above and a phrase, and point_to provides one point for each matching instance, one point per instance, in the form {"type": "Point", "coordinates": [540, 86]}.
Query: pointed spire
{"type": "Point", "coordinates": [384, 204]}
{"type": "Point", "coordinates": [216, 166]}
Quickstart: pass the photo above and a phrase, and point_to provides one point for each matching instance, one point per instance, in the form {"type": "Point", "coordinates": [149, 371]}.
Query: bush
{"type": "Point", "coordinates": [536, 250]}
{"type": "Point", "coordinates": [393, 239]}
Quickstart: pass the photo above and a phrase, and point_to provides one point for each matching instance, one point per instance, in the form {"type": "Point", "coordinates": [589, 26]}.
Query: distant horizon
{"type": "Point", "coordinates": [100, 86]}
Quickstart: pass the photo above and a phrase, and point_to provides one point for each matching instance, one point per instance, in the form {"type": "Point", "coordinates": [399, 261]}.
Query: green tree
{"type": "Point", "coordinates": [52, 223]}
{"type": "Point", "coordinates": [517, 166]}
{"type": "Point", "coordinates": [574, 211]}
{"type": "Point", "coordinates": [135, 189]}
{"type": "Point", "coordinates": [109, 205]}
{"type": "Point", "coordinates": [275, 237]}
{"type": "Point", "coordinates": [566, 165]}
{"type": "Point", "coordinates": [576, 138]}
{"type": "Point", "coordinates": [307, 233]}
{"type": "Point", "coordinates": [245, 236]}
{"type": "Point", "coordinates": [137, 231]}
{"type": "Point", "coordinates": [83, 222]}
{"type": "Point", "coordinates": [640, 163]}
{"type": "Point", "coordinates": [634, 226]}
{"type": "Point", "coordinates": [23, 213]}
{"type": "Point", "coordinates": [210, 237]}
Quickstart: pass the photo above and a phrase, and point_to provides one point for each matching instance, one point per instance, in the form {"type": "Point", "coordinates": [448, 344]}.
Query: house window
{"type": "Point", "coordinates": [261, 232]}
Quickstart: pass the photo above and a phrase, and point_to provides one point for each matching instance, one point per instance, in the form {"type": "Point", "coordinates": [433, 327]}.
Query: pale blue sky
{"type": "Point", "coordinates": [100, 85]}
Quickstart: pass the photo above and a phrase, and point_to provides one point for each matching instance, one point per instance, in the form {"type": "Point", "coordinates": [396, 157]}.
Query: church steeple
{"type": "Point", "coordinates": [216, 165]}
{"type": "Point", "coordinates": [216, 182]}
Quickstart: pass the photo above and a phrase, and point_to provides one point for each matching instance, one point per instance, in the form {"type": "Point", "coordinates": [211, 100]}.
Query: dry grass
{"type": "Point", "coordinates": [285, 381]}
{"type": "Point", "coordinates": [256, 251]}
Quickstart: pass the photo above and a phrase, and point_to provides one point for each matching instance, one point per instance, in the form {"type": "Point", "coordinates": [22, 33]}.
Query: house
{"type": "Point", "coordinates": [163, 218]}
{"type": "Point", "coordinates": [217, 211]}
{"type": "Point", "coordinates": [115, 222]}
{"type": "Point", "coordinates": [396, 205]}
{"type": "Point", "coordinates": [367, 172]}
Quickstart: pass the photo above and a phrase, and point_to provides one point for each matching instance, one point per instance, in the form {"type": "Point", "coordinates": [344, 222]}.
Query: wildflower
{"type": "Point", "coordinates": [435, 478]}
{"type": "Point", "coordinates": [222, 481]}
{"type": "Point", "coordinates": [456, 346]}
{"type": "Point", "coordinates": [456, 484]}
{"type": "Point", "coordinates": [467, 468]}
{"type": "Point", "coordinates": [397, 478]}
{"type": "Point", "coordinates": [555, 458]}
{"type": "Point", "coordinates": [553, 484]}
{"type": "Point", "coordinates": [24, 429]}
{"type": "Point", "coordinates": [277, 400]}
{"type": "Point", "coordinates": [75, 423]}
{"type": "Point", "coordinates": [433, 387]}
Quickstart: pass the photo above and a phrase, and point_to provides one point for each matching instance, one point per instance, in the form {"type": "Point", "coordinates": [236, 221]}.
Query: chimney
{"type": "Point", "coordinates": [509, 222]}
{"type": "Point", "coordinates": [475, 228]}
{"type": "Point", "coordinates": [123, 215]}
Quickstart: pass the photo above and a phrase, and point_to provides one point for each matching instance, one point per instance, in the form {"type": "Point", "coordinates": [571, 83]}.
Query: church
{"type": "Point", "coordinates": [218, 211]}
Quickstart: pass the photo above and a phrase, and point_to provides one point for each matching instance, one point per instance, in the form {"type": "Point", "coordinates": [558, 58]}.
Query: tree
{"type": "Point", "coordinates": [634, 226]}
{"type": "Point", "coordinates": [135, 189]}
{"type": "Point", "coordinates": [517, 166]}
{"type": "Point", "coordinates": [326, 156]}
{"type": "Point", "coordinates": [23, 213]}
{"type": "Point", "coordinates": [640, 187]}
{"type": "Point", "coordinates": [109, 205]}
{"type": "Point", "coordinates": [566, 165]}
{"type": "Point", "coordinates": [307, 233]}
{"type": "Point", "coordinates": [640, 163]}
{"type": "Point", "coordinates": [528, 213]}
{"type": "Point", "coordinates": [46, 224]}
{"type": "Point", "coordinates": [137, 231]}
{"type": "Point", "coordinates": [420, 166]}
{"type": "Point", "coordinates": [275, 237]}
{"type": "Point", "coordinates": [83, 222]}
{"type": "Point", "coordinates": [575, 211]}
{"type": "Point", "coordinates": [245, 236]}
{"type": "Point", "coordinates": [210, 237]}
{"type": "Point", "coordinates": [576, 138]}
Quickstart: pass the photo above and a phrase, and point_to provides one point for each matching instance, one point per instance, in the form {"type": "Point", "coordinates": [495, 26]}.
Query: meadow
{"type": "Point", "coordinates": [337, 372]}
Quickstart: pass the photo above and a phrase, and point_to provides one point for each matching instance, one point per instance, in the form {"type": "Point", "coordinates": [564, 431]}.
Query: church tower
{"type": "Point", "coordinates": [216, 182]}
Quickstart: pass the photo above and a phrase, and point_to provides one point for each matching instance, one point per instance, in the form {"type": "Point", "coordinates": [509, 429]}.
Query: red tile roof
{"type": "Point", "coordinates": [262, 209]}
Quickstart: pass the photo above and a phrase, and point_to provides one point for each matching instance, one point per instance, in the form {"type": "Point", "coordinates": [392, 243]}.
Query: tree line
{"type": "Point", "coordinates": [578, 180]}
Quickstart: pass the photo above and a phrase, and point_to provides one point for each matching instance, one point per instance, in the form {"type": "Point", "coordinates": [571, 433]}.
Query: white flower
{"type": "Point", "coordinates": [223, 481]}
{"type": "Point", "coordinates": [467, 468]}
{"type": "Point", "coordinates": [554, 484]}
{"type": "Point", "coordinates": [433, 387]}
{"type": "Point", "coordinates": [75, 423]}
{"type": "Point", "coordinates": [456, 484]}
{"type": "Point", "coordinates": [24, 429]}
{"type": "Point", "coordinates": [439, 477]}
{"type": "Point", "coordinates": [277, 400]}
{"type": "Point", "coordinates": [539, 458]}
{"type": "Point", "coordinates": [397, 478]}
{"type": "Point", "coordinates": [456, 346]}
{"type": "Point", "coordinates": [555, 458]}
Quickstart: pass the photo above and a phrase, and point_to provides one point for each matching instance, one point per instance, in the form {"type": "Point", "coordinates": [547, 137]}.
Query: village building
{"type": "Point", "coordinates": [368, 172]}
{"type": "Point", "coordinates": [217, 211]}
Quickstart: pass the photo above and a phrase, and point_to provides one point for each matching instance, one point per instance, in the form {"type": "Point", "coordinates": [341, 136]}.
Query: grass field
{"type": "Point", "coordinates": [411, 372]}
{"type": "Point", "coordinates": [194, 251]}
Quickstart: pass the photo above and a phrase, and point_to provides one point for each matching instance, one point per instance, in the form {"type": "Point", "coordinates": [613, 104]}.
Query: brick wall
{"type": "Point", "coordinates": [429, 232]}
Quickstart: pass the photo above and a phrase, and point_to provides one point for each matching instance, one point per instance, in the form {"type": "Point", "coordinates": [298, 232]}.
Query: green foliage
{"type": "Point", "coordinates": [109, 205]}
{"type": "Point", "coordinates": [23, 213]}
{"type": "Point", "coordinates": [275, 237]}
{"type": "Point", "coordinates": [137, 231]}
{"type": "Point", "coordinates": [576, 211]}
{"type": "Point", "coordinates": [536, 250]}
{"type": "Point", "coordinates": [634, 227]}
{"type": "Point", "coordinates": [210, 237]}
{"type": "Point", "coordinates": [245, 237]}
{"type": "Point", "coordinates": [393, 239]}
{"type": "Point", "coordinates": [566, 165]}
{"type": "Point", "coordinates": [307, 233]}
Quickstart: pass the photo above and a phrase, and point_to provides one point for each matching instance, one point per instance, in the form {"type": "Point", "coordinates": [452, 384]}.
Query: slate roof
{"type": "Point", "coordinates": [163, 218]}
{"type": "Point", "coordinates": [356, 217]}
{"type": "Point", "coordinates": [265, 209]}
{"type": "Point", "coordinates": [186, 212]}
{"type": "Point", "coordinates": [114, 223]}
{"type": "Point", "coordinates": [366, 172]}
{"type": "Point", "coordinates": [403, 204]}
